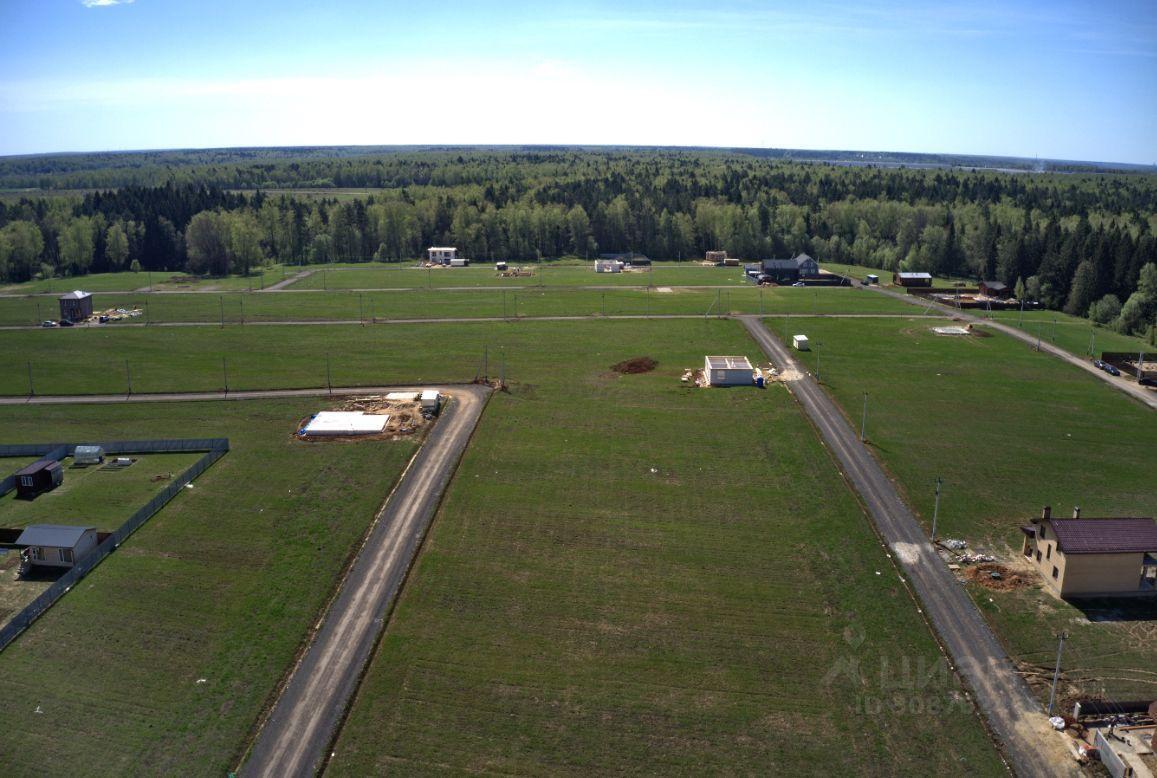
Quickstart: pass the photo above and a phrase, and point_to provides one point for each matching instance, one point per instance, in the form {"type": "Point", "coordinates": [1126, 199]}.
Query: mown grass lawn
{"type": "Point", "coordinates": [629, 575]}
{"type": "Point", "coordinates": [161, 659]}
{"type": "Point", "coordinates": [1009, 430]}
{"type": "Point", "coordinates": [95, 495]}
{"type": "Point", "coordinates": [516, 302]}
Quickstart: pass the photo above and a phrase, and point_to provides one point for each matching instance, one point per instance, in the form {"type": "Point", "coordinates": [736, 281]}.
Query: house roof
{"type": "Point", "coordinates": [1104, 536]}
{"type": "Point", "coordinates": [51, 535]}
{"type": "Point", "coordinates": [38, 465]}
{"type": "Point", "coordinates": [76, 294]}
{"type": "Point", "coordinates": [800, 259]}
{"type": "Point", "coordinates": [914, 275]}
{"type": "Point", "coordinates": [994, 284]}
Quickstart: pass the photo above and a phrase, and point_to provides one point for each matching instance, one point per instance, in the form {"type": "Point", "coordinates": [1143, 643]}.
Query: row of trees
{"type": "Point", "coordinates": [1068, 241]}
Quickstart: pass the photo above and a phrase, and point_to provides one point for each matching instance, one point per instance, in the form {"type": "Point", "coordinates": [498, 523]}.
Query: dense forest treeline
{"type": "Point", "coordinates": [392, 166]}
{"type": "Point", "coordinates": [1080, 242]}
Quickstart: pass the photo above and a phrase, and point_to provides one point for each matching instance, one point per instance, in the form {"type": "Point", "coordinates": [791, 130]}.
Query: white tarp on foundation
{"type": "Point", "coordinates": [346, 423]}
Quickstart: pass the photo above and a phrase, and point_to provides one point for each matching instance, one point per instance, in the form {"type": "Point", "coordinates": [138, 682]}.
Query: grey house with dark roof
{"type": "Point", "coordinates": [783, 271]}
{"type": "Point", "coordinates": [56, 545]}
{"type": "Point", "coordinates": [1094, 557]}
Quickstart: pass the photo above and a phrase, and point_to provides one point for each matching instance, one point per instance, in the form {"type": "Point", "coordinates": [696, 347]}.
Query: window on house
{"type": "Point", "coordinates": [66, 555]}
{"type": "Point", "coordinates": [1042, 532]}
{"type": "Point", "coordinates": [1055, 571]}
{"type": "Point", "coordinates": [37, 553]}
{"type": "Point", "coordinates": [1038, 555]}
{"type": "Point", "coordinates": [1049, 552]}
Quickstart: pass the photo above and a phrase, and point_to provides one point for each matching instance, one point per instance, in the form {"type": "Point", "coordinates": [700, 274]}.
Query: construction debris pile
{"type": "Point", "coordinates": [116, 314]}
{"type": "Point", "coordinates": [516, 272]}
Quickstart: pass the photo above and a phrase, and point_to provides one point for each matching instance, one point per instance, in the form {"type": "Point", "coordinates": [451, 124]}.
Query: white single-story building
{"type": "Point", "coordinates": [800, 342]}
{"type": "Point", "coordinates": [608, 266]}
{"type": "Point", "coordinates": [441, 255]}
{"type": "Point", "coordinates": [56, 545]}
{"type": "Point", "coordinates": [728, 371]}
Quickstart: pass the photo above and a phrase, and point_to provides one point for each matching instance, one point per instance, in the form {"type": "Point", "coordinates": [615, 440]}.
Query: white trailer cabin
{"type": "Point", "coordinates": [800, 342]}
{"type": "Point", "coordinates": [88, 455]}
{"type": "Point", "coordinates": [500, 265]}
{"type": "Point", "coordinates": [430, 399]}
{"type": "Point", "coordinates": [728, 371]}
{"type": "Point", "coordinates": [608, 266]}
{"type": "Point", "coordinates": [459, 262]}
{"type": "Point", "coordinates": [441, 255]}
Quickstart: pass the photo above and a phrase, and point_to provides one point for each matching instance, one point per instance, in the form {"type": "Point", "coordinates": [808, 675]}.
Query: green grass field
{"type": "Point", "coordinates": [524, 302]}
{"type": "Point", "coordinates": [161, 659]}
{"type": "Point", "coordinates": [1010, 430]}
{"type": "Point", "coordinates": [156, 281]}
{"type": "Point", "coordinates": [95, 495]}
{"type": "Point", "coordinates": [1072, 333]}
{"type": "Point", "coordinates": [679, 611]}
{"type": "Point", "coordinates": [483, 274]}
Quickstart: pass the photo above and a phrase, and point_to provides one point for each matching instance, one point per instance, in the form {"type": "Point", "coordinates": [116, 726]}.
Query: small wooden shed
{"type": "Point", "coordinates": [39, 477]}
{"type": "Point", "coordinates": [56, 545]}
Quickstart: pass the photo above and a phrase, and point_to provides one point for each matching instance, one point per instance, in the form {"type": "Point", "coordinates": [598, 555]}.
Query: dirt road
{"type": "Point", "coordinates": [294, 739]}
{"type": "Point", "coordinates": [1002, 696]}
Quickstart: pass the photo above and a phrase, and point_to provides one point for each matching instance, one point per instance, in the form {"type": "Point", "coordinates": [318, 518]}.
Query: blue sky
{"type": "Point", "coordinates": [1069, 80]}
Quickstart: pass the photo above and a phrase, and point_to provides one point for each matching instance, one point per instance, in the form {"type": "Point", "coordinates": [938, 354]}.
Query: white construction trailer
{"type": "Point", "coordinates": [800, 342]}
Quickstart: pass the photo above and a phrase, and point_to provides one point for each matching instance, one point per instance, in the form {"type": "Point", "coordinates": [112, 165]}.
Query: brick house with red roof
{"type": "Point", "coordinates": [1094, 557]}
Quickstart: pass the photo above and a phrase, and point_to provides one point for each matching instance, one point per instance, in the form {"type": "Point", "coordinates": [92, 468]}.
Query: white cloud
{"type": "Point", "coordinates": [102, 3]}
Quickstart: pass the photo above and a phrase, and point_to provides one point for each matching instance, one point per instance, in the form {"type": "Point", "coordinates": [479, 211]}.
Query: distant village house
{"type": "Point", "coordinates": [76, 305]}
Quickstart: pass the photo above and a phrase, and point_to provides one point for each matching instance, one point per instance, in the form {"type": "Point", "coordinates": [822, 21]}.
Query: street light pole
{"type": "Point", "coordinates": [864, 420]}
{"type": "Point", "coordinates": [936, 510]}
{"type": "Point", "coordinates": [1061, 638]}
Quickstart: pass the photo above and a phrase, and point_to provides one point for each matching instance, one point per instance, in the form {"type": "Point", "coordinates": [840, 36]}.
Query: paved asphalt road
{"type": "Point", "coordinates": [1136, 391]}
{"type": "Point", "coordinates": [1001, 694]}
{"type": "Point", "coordinates": [294, 739]}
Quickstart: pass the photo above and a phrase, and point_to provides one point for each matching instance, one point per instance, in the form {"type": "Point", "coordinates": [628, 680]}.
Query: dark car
{"type": "Point", "coordinates": [1148, 381]}
{"type": "Point", "coordinates": [66, 322]}
{"type": "Point", "coordinates": [1098, 364]}
{"type": "Point", "coordinates": [1112, 370]}
{"type": "Point", "coordinates": [103, 319]}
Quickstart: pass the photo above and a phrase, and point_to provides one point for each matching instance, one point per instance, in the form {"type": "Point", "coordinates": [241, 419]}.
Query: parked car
{"type": "Point", "coordinates": [1112, 370]}
{"type": "Point", "coordinates": [66, 322]}
{"type": "Point", "coordinates": [1148, 381]}
{"type": "Point", "coordinates": [799, 283]}
{"type": "Point", "coordinates": [48, 323]}
{"type": "Point", "coordinates": [1098, 364]}
{"type": "Point", "coordinates": [103, 319]}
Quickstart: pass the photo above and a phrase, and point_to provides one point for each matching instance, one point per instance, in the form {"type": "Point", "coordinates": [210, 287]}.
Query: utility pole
{"type": "Point", "coordinates": [242, 302]}
{"type": "Point", "coordinates": [31, 388]}
{"type": "Point", "coordinates": [328, 375]}
{"type": "Point", "coordinates": [1061, 638]}
{"type": "Point", "coordinates": [503, 303]}
{"type": "Point", "coordinates": [864, 420]}
{"type": "Point", "coordinates": [38, 319]}
{"type": "Point", "coordinates": [1038, 329]}
{"type": "Point", "coordinates": [1054, 337]}
{"type": "Point", "coordinates": [818, 379]}
{"type": "Point", "coordinates": [1021, 321]}
{"type": "Point", "coordinates": [222, 301]}
{"type": "Point", "coordinates": [225, 372]}
{"type": "Point", "coordinates": [148, 319]}
{"type": "Point", "coordinates": [129, 377]}
{"type": "Point", "coordinates": [361, 310]}
{"type": "Point", "coordinates": [604, 305]}
{"type": "Point", "coordinates": [936, 510]}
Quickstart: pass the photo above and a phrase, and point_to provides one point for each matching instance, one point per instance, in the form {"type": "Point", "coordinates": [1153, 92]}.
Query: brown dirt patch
{"type": "Point", "coordinates": [997, 577]}
{"type": "Point", "coordinates": [636, 365]}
